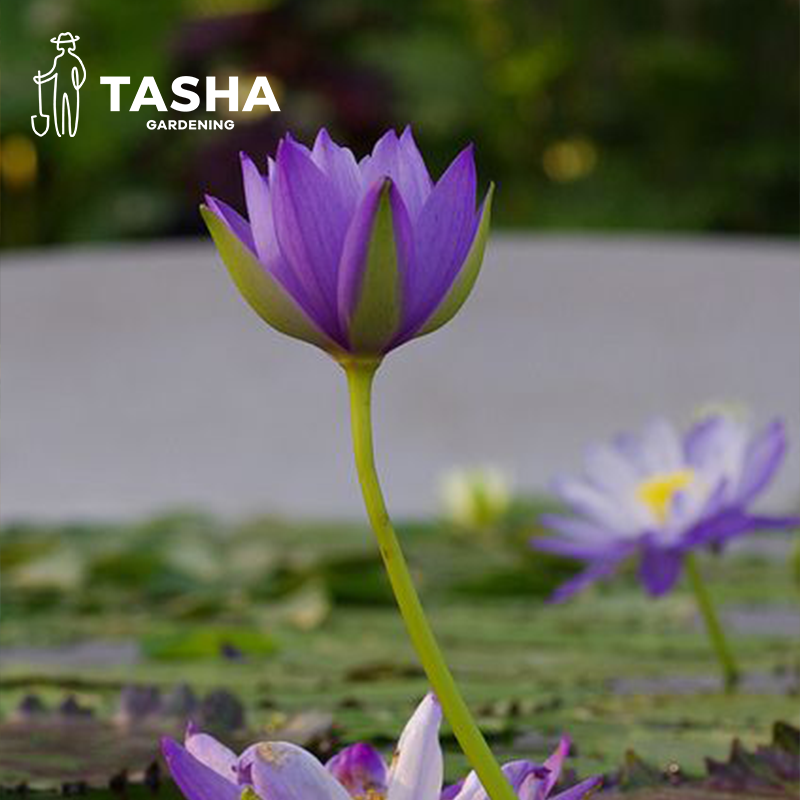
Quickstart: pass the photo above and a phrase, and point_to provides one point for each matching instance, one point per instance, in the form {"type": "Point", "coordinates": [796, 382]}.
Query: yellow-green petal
{"type": "Point", "coordinates": [264, 294]}
{"type": "Point", "coordinates": [376, 315]}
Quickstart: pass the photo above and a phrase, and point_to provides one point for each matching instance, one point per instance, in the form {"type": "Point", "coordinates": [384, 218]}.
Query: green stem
{"type": "Point", "coordinates": [359, 376]}
{"type": "Point", "coordinates": [730, 673]}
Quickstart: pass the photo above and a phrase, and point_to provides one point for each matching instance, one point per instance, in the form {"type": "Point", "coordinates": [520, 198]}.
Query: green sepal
{"type": "Point", "coordinates": [467, 276]}
{"type": "Point", "coordinates": [264, 294]}
{"type": "Point", "coordinates": [376, 316]}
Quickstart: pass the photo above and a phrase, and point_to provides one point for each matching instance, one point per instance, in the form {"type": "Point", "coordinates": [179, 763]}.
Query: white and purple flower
{"type": "Point", "coordinates": [205, 769]}
{"type": "Point", "coordinates": [661, 494]}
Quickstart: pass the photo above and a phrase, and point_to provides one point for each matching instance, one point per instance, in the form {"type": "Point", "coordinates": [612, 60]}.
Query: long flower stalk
{"type": "Point", "coordinates": [730, 672]}
{"type": "Point", "coordinates": [360, 375]}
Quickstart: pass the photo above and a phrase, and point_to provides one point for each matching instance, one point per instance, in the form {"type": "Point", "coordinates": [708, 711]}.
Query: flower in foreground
{"type": "Point", "coordinates": [205, 769]}
{"type": "Point", "coordinates": [358, 258]}
{"type": "Point", "coordinates": [354, 257]}
{"type": "Point", "coordinates": [661, 495]}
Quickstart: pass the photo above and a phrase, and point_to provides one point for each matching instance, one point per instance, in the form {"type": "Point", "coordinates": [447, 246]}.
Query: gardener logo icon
{"type": "Point", "coordinates": [67, 75]}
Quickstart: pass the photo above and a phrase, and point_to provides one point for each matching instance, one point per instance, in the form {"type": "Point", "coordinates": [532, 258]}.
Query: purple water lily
{"type": "Point", "coordinates": [660, 495]}
{"type": "Point", "coordinates": [354, 257]}
{"type": "Point", "coordinates": [205, 769]}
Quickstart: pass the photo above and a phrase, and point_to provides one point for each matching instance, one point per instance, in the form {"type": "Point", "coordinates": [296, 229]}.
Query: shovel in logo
{"type": "Point", "coordinates": [34, 117]}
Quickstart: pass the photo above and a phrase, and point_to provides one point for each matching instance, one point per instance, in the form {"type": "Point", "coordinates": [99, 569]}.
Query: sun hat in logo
{"type": "Point", "coordinates": [64, 38]}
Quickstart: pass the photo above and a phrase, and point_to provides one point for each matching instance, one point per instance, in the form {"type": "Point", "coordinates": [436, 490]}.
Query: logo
{"type": "Point", "coordinates": [67, 75]}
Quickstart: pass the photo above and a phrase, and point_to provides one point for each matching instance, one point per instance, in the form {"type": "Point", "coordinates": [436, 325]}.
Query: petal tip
{"type": "Point", "coordinates": [169, 748]}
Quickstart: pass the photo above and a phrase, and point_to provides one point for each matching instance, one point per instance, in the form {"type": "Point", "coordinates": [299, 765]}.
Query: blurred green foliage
{"type": "Point", "coordinates": [197, 569]}
{"type": "Point", "coordinates": [600, 114]}
{"type": "Point", "coordinates": [96, 615]}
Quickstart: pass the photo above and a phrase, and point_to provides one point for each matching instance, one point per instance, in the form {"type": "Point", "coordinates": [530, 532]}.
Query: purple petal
{"type": "Point", "coordinates": [259, 210]}
{"type": "Point", "coordinates": [414, 181]}
{"type": "Point", "coordinates": [452, 791]}
{"type": "Point", "coordinates": [555, 763]}
{"type": "Point", "coordinates": [516, 772]}
{"type": "Point", "coordinates": [761, 523]}
{"type": "Point", "coordinates": [601, 568]}
{"type": "Point", "coordinates": [716, 529]}
{"type": "Point", "coordinates": [443, 234]}
{"type": "Point", "coordinates": [383, 161]}
{"type": "Point", "coordinates": [361, 769]}
{"type": "Point", "coordinates": [311, 224]}
{"type": "Point", "coordinates": [660, 568]}
{"type": "Point", "coordinates": [259, 205]}
{"type": "Point", "coordinates": [723, 527]}
{"type": "Point", "coordinates": [339, 164]}
{"type": "Point", "coordinates": [578, 528]}
{"type": "Point", "coordinates": [195, 780]}
{"type": "Point", "coordinates": [704, 440]}
{"type": "Point", "coordinates": [580, 790]}
{"type": "Point", "coordinates": [212, 753]}
{"type": "Point", "coordinates": [762, 458]}
{"type": "Point", "coordinates": [564, 547]}
{"type": "Point", "coordinates": [283, 771]}
{"type": "Point", "coordinates": [400, 160]}
{"type": "Point", "coordinates": [608, 510]}
{"type": "Point", "coordinates": [237, 224]}
{"type": "Point", "coordinates": [274, 294]}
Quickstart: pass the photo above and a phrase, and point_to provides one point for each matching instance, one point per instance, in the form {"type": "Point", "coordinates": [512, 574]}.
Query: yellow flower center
{"type": "Point", "coordinates": [658, 492]}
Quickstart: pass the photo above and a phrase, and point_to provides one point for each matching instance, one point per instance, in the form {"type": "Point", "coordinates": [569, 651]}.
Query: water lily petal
{"type": "Point", "coordinates": [339, 164]}
{"type": "Point", "coordinates": [608, 469]}
{"type": "Point", "coordinates": [195, 779]}
{"type": "Point", "coordinates": [452, 791]}
{"type": "Point", "coordinates": [268, 298]}
{"type": "Point", "coordinates": [237, 224]}
{"type": "Point", "coordinates": [762, 458]}
{"type": "Point", "coordinates": [371, 275]}
{"type": "Point", "coordinates": [414, 180]}
{"type": "Point", "coordinates": [597, 570]}
{"type": "Point", "coordinates": [517, 774]}
{"type": "Point", "coordinates": [443, 234]}
{"type": "Point", "coordinates": [578, 528]}
{"type": "Point", "coordinates": [581, 790]}
{"type": "Point", "coordinates": [310, 224]}
{"type": "Point", "coordinates": [660, 568]}
{"type": "Point", "coordinates": [464, 279]}
{"type": "Point", "coordinates": [417, 769]}
{"type": "Point", "coordinates": [259, 210]}
{"type": "Point", "coordinates": [361, 769]}
{"type": "Point", "coordinates": [608, 510]}
{"type": "Point", "coordinates": [212, 753]}
{"type": "Point", "coordinates": [283, 771]}
{"type": "Point", "coordinates": [554, 765]}
{"type": "Point", "coordinates": [583, 551]}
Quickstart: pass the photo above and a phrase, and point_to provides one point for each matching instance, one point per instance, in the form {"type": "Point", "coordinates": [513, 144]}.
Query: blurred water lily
{"type": "Point", "coordinates": [660, 495]}
{"type": "Point", "coordinates": [205, 769]}
{"type": "Point", "coordinates": [476, 498]}
{"type": "Point", "coordinates": [354, 257]}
